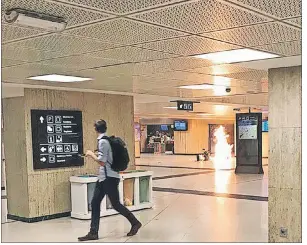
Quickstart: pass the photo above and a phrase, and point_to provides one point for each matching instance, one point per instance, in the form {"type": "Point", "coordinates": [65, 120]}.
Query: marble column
{"type": "Point", "coordinates": [285, 147]}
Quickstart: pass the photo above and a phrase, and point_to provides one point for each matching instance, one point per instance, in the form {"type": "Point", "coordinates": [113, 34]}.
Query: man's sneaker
{"type": "Point", "coordinates": [89, 237]}
{"type": "Point", "coordinates": [134, 229]}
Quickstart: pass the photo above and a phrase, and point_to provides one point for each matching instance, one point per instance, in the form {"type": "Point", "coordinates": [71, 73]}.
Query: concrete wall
{"type": "Point", "coordinates": [285, 168]}
{"type": "Point", "coordinates": [45, 192]}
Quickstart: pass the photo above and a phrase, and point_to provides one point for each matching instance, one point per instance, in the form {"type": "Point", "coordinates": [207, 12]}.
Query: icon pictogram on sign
{"type": "Point", "coordinates": [49, 119]}
{"type": "Point", "coordinates": [58, 119]}
{"type": "Point", "coordinates": [58, 138]}
{"type": "Point", "coordinates": [51, 159]}
{"type": "Point", "coordinates": [50, 129]}
{"type": "Point", "coordinates": [59, 148]}
{"type": "Point", "coordinates": [50, 139]}
{"type": "Point", "coordinates": [58, 129]}
{"type": "Point", "coordinates": [51, 148]}
{"type": "Point", "coordinates": [67, 148]}
{"type": "Point", "coordinates": [74, 148]}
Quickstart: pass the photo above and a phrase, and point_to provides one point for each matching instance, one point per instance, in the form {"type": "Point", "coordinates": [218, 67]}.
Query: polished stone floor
{"type": "Point", "coordinates": [194, 202]}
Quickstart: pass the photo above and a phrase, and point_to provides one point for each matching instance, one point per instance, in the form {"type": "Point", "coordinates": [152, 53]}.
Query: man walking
{"type": "Point", "coordinates": [107, 184]}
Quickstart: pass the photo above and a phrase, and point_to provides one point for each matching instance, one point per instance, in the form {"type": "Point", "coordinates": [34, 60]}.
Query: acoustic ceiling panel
{"type": "Point", "coordinates": [132, 54]}
{"type": "Point", "coordinates": [180, 63]}
{"type": "Point", "coordinates": [8, 62]}
{"type": "Point", "coordinates": [110, 71]}
{"type": "Point", "coordinates": [124, 31]}
{"type": "Point", "coordinates": [61, 45]}
{"type": "Point", "coordinates": [249, 76]}
{"type": "Point", "coordinates": [73, 15]}
{"type": "Point", "coordinates": [297, 21]}
{"type": "Point", "coordinates": [122, 6]}
{"type": "Point", "coordinates": [200, 16]}
{"type": "Point", "coordinates": [250, 36]}
{"type": "Point", "coordinates": [220, 69]}
{"type": "Point", "coordinates": [189, 45]}
{"type": "Point", "coordinates": [14, 52]}
{"type": "Point", "coordinates": [285, 49]}
{"type": "Point", "coordinates": [278, 8]}
{"type": "Point", "coordinates": [11, 32]}
{"type": "Point", "coordinates": [77, 62]}
{"type": "Point", "coordinates": [22, 72]}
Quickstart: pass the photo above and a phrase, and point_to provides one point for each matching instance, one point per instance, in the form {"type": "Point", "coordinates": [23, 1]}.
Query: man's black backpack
{"type": "Point", "coordinates": [119, 152]}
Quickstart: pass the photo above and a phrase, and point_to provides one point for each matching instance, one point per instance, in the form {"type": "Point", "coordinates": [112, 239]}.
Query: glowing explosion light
{"type": "Point", "coordinates": [222, 158]}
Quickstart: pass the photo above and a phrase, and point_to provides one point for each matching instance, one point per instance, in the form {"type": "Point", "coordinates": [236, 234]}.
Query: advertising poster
{"type": "Point", "coordinates": [137, 131]}
{"type": "Point", "coordinates": [247, 127]}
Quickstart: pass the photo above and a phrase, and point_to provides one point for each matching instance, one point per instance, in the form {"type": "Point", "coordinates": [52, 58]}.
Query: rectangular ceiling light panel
{"type": "Point", "coordinates": [235, 56]}
{"type": "Point", "coordinates": [60, 78]}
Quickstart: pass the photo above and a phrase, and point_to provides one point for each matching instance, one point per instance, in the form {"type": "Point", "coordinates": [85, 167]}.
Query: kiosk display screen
{"type": "Point", "coordinates": [265, 126]}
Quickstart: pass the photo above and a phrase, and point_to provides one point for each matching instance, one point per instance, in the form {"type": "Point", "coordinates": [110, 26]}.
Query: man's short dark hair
{"type": "Point", "coordinates": [101, 126]}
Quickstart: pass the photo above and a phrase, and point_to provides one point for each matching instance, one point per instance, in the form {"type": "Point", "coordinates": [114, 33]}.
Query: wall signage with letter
{"type": "Point", "coordinates": [184, 105]}
{"type": "Point", "coordinates": [57, 138]}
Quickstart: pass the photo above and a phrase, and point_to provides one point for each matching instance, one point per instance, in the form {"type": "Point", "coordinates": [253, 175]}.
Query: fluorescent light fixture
{"type": "Point", "coordinates": [60, 78]}
{"type": "Point", "coordinates": [170, 107]}
{"type": "Point", "coordinates": [237, 55]}
{"type": "Point", "coordinates": [198, 86]}
{"type": "Point", "coordinates": [37, 20]}
{"type": "Point", "coordinates": [204, 114]}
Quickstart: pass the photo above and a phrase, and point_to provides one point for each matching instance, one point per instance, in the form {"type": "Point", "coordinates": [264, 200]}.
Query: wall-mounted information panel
{"type": "Point", "coordinates": [57, 138]}
{"type": "Point", "coordinates": [249, 143]}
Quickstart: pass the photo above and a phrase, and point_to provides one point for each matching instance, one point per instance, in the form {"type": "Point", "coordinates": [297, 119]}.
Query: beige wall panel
{"type": "Point", "coordinates": [48, 191]}
{"type": "Point", "coordinates": [15, 156]}
{"type": "Point", "coordinates": [197, 136]}
{"type": "Point", "coordinates": [265, 144]}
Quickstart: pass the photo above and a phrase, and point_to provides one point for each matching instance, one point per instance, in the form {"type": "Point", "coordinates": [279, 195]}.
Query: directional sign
{"type": "Point", "coordinates": [185, 105]}
{"type": "Point", "coordinates": [57, 138]}
{"type": "Point", "coordinates": [43, 149]}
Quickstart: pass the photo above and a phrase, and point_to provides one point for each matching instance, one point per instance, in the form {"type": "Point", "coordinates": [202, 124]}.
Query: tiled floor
{"type": "Point", "coordinates": [176, 217]}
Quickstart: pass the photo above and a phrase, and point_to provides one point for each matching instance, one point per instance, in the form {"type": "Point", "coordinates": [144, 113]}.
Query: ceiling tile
{"type": "Point", "coordinates": [122, 6]}
{"type": "Point", "coordinates": [57, 45]}
{"type": "Point", "coordinates": [253, 35]}
{"type": "Point", "coordinates": [189, 45]}
{"type": "Point", "coordinates": [77, 62]}
{"type": "Point", "coordinates": [15, 52]}
{"type": "Point", "coordinates": [285, 48]}
{"type": "Point", "coordinates": [8, 62]}
{"type": "Point", "coordinates": [278, 8]}
{"type": "Point", "coordinates": [200, 16]}
{"type": "Point", "coordinates": [297, 21]}
{"type": "Point", "coordinates": [180, 63]}
{"type": "Point", "coordinates": [73, 15]}
{"type": "Point", "coordinates": [11, 32]}
{"type": "Point", "coordinates": [249, 76]}
{"type": "Point", "coordinates": [24, 71]}
{"type": "Point", "coordinates": [124, 31]}
{"type": "Point", "coordinates": [132, 54]}
{"type": "Point", "coordinates": [220, 69]}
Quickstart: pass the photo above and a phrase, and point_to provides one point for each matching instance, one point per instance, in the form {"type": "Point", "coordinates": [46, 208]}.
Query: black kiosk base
{"type": "Point", "coordinates": [249, 170]}
{"type": "Point", "coordinates": [249, 143]}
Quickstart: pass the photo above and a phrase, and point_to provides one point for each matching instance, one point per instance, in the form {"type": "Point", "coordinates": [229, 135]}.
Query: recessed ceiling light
{"type": "Point", "coordinates": [170, 107]}
{"type": "Point", "coordinates": [198, 86]}
{"type": "Point", "coordinates": [237, 55]}
{"type": "Point", "coordinates": [60, 78]}
{"type": "Point", "coordinates": [204, 114]}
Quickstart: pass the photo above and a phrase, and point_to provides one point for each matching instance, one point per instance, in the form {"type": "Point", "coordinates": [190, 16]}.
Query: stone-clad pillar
{"type": "Point", "coordinates": [285, 162]}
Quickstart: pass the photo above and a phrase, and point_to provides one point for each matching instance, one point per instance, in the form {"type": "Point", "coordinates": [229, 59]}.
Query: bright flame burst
{"type": "Point", "coordinates": [223, 150]}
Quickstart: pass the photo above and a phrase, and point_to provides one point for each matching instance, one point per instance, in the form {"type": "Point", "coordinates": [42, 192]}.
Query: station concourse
{"type": "Point", "coordinates": [206, 94]}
